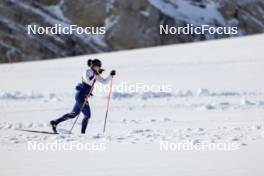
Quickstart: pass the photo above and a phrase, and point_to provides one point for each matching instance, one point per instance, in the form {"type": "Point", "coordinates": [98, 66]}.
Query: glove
{"type": "Point", "coordinates": [96, 73]}
{"type": "Point", "coordinates": [113, 73]}
{"type": "Point", "coordinates": [101, 71]}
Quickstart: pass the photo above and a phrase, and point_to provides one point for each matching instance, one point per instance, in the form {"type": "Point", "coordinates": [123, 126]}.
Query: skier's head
{"type": "Point", "coordinates": [95, 64]}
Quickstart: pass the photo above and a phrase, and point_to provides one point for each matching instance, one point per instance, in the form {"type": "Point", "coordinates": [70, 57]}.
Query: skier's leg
{"type": "Point", "coordinates": [87, 114]}
{"type": "Point", "coordinates": [74, 113]}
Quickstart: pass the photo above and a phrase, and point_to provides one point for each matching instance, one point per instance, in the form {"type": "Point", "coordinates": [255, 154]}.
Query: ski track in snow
{"type": "Point", "coordinates": [241, 134]}
{"type": "Point", "coordinates": [201, 100]}
{"type": "Point", "coordinates": [145, 130]}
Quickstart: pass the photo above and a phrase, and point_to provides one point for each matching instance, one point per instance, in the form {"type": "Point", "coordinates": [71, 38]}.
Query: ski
{"type": "Point", "coordinates": [61, 131]}
{"type": "Point", "coordinates": [36, 131]}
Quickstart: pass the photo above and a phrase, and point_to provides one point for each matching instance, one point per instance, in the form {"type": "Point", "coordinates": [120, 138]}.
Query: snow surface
{"type": "Point", "coordinates": [217, 95]}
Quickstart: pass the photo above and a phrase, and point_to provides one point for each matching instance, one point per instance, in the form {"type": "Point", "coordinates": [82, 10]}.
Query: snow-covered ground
{"type": "Point", "coordinates": [216, 96]}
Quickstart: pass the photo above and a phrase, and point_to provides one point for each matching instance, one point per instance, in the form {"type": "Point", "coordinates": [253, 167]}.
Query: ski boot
{"type": "Point", "coordinates": [54, 127]}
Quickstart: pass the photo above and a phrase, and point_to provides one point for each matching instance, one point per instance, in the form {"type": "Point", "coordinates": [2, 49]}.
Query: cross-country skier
{"type": "Point", "coordinates": [84, 90]}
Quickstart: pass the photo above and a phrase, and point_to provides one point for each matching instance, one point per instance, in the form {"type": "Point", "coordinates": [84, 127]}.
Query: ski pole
{"type": "Point", "coordinates": [76, 119]}
{"type": "Point", "coordinates": [108, 102]}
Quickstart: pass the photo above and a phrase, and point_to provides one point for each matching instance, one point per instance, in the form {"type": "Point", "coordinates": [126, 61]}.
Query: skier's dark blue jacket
{"type": "Point", "coordinates": [83, 88]}
{"type": "Point", "coordinates": [82, 92]}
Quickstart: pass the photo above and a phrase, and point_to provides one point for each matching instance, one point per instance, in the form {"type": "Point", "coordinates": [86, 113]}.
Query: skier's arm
{"type": "Point", "coordinates": [106, 80]}
{"type": "Point", "coordinates": [103, 80]}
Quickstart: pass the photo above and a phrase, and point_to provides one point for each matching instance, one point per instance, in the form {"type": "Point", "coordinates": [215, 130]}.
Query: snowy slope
{"type": "Point", "coordinates": [217, 95]}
